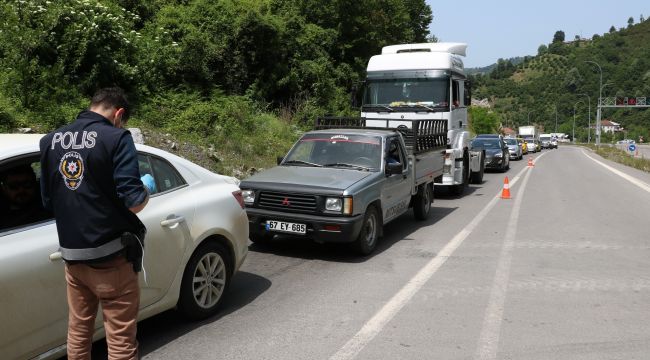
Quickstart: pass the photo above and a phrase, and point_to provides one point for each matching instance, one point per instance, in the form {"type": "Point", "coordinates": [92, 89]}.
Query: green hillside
{"type": "Point", "coordinates": [555, 77]}
{"type": "Point", "coordinates": [228, 83]}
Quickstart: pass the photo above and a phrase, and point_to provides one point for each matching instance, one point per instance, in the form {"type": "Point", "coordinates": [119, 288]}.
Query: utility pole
{"type": "Point", "coordinates": [589, 121]}
{"type": "Point", "coordinates": [600, 100]}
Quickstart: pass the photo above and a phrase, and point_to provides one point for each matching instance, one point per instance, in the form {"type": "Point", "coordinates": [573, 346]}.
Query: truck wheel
{"type": "Point", "coordinates": [205, 281]}
{"type": "Point", "coordinates": [422, 202]}
{"type": "Point", "coordinates": [367, 240]}
{"type": "Point", "coordinates": [477, 176]}
{"type": "Point", "coordinates": [460, 188]}
{"type": "Point", "coordinates": [261, 238]}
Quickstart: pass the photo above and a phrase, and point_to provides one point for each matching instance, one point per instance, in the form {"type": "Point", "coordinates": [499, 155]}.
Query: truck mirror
{"type": "Point", "coordinates": [394, 169]}
{"type": "Point", "coordinates": [279, 159]}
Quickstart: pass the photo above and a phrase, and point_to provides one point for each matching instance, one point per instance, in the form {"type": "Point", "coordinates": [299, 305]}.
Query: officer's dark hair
{"type": "Point", "coordinates": [17, 170]}
{"type": "Point", "coordinates": [112, 97]}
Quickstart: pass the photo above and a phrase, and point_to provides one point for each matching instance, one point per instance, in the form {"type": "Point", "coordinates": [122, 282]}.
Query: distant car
{"type": "Point", "coordinates": [496, 152]}
{"type": "Point", "coordinates": [197, 238]}
{"type": "Point", "coordinates": [514, 149]}
{"type": "Point", "coordinates": [532, 147]}
{"type": "Point", "coordinates": [538, 145]}
{"type": "Point", "coordinates": [553, 143]}
{"type": "Point", "coordinates": [626, 142]}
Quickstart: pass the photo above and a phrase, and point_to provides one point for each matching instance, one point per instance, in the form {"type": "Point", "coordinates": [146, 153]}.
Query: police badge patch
{"type": "Point", "coordinates": [72, 169]}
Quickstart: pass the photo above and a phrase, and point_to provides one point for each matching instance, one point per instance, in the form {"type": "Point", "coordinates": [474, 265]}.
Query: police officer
{"type": "Point", "coordinates": [90, 180]}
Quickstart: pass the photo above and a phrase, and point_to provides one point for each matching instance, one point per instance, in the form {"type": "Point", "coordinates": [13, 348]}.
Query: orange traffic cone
{"type": "Point", "coordinates": [505, 193]}
{"type": "Point", "coordinates": [530, 162]}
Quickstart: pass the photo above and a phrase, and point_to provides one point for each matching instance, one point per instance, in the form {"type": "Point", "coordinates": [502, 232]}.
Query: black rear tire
{"type": "Point", "coordinates": [422, 202]}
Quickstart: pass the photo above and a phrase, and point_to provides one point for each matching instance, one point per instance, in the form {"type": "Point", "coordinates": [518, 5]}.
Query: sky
{"type": "Point", "coordinates": [504, 29]}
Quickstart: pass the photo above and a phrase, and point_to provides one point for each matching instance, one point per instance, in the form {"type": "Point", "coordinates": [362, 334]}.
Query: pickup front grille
{"type": "Point", "coordinates": [287, 202]}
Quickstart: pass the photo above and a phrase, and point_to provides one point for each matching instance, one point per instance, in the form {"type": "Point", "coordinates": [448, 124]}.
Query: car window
{"type": "Point", "coordinates": [159, 174]}
{"type": "Point", "coordinates": [20, 194]}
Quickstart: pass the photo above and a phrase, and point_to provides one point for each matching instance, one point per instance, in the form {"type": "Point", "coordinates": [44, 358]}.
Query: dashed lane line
{"type": "Point", "coordinates": [382, 317]}
{"type": "Point", "coordinates": [488, 343]}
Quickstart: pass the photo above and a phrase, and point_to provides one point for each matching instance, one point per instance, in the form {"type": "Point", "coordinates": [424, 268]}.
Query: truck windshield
{"type": "Point", "coordinates": [431, 93]}
{"type": "Point", "coordinates": [336, 150]}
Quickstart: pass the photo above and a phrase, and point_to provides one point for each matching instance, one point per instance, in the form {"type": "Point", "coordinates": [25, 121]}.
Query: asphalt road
{"type": "Point", "coordinates": [560, 271]}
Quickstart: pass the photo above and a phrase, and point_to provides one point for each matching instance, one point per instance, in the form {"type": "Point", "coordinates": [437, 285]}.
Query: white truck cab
{"type": "Point", "coordinates": [425, 81]}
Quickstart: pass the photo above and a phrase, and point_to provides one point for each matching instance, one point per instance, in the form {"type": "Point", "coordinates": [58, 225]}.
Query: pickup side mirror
{"type": "Point", "coordinates": [279, 159]}
{"type": "Point", "coordinates": [394, 169]}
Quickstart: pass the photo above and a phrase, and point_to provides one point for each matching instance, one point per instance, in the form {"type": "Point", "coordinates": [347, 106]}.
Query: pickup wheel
{"type": "Point", "coordinates": [367, 240]}
{"type": "Point", "coordinates": [422, 202]}
{"type": "Point", "coordinates": [477, 176]}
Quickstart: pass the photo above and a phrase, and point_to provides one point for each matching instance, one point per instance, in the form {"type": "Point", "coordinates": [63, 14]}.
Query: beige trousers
{"type": "Point", "coordinates": [114, 285]}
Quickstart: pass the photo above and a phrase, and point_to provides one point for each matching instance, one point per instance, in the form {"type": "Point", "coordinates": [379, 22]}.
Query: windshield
{"type": "Point", "coordinates": [485, 143]}
{"type": "Point", "coordinates": [336, 150]}
{"type": "Point", "coordinates": [545, 138]}
{"type": "Point", "coordinates": [511, 142]}
{"type": "Point", "coordinates": [405, 92]}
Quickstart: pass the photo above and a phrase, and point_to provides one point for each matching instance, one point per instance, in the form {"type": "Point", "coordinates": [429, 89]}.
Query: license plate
{"type": "Point", "coordinates": [272, 225]}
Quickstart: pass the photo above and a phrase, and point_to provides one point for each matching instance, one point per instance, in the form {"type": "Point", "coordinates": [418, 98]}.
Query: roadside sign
{"type": "Point", "coordinates": [631, 147]}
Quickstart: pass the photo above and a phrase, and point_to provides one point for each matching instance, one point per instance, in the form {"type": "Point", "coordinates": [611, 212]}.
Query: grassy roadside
{"type": "Point", "coordinates": [620, 156]}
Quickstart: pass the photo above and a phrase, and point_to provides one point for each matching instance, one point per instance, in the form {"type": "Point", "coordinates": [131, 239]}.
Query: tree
{"type": "Point", "coordinates": [630, 22]}
{"type": "Point", "coordinates": [542, 49]}
{"type": "Point", "coordinates": [641, 18]}
{"type": "Point", "coordinates": [559, 36]}
{"type": "Point", "coordinates": [483, 120]}
{"type": "Point", "coordinates": [612, 29]}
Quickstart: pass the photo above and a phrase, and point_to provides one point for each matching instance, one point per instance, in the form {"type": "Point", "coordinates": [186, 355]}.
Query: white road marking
{"type": "Point", "coordinates": [488, 343]}
{"type": "Point", "coordinates": [382, 317]}
{"type": "Point", "coordinates": [625, 176]}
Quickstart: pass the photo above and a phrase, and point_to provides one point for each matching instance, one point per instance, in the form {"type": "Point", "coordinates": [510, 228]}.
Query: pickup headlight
{"type": "Point", "coordinates": [498, 155]}
{"type": "Point", "coordinates": [249, 196]}
{"type": "Point", "coordinates": [333, 204]}
{"type": "Point", "coordinates": [341, 205]}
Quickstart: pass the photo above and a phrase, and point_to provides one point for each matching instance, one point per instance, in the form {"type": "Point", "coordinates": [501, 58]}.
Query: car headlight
{"type": "Point", "coordinates": [249, 196]}
{"type": "Point", "coordinates": [498, 155]}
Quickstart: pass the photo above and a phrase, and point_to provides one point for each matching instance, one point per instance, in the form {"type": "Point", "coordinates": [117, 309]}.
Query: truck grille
{"type": "Point", "coordinates": [287, 202]}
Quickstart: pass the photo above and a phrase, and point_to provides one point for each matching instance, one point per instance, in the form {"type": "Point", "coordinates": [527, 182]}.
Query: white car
{"type": "Point", "coordinates": [197, 239]}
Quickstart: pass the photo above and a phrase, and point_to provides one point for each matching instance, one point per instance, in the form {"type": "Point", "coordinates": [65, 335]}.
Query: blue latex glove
{"type": "Point", "coordinates": [149, 183]}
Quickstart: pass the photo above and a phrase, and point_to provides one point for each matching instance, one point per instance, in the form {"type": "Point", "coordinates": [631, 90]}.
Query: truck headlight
{"type": "Point", "coordinates": [333, 204]}
{"type": "Point", "coordinates": [249, 196]}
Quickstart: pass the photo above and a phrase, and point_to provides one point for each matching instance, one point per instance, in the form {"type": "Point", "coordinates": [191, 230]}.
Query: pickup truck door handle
{"type": "Point", "coordinates": [173, 221]}
{"type": "Point", "coordinates": [55, 256]}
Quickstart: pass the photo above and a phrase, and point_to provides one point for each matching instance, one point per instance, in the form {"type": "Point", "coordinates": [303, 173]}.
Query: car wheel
{"type": "Point", "coordinates": [205, 281]}
{"type": "Point", "coordinates": [367, 240]}
{"type": "Point", "coordinates": [422, 202]}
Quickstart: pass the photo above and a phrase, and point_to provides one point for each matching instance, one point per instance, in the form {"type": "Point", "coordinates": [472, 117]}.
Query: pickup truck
{"type": "Point", "coordinates": [344, 181]}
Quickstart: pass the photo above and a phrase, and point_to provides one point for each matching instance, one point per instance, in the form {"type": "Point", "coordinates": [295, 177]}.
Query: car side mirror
{"type": "Point", "coordinates": [280, 159]}
{"type": "Point", "coordinates": [394, 169]}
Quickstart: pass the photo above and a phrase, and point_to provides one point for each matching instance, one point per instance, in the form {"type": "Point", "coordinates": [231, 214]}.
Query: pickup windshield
{"type": "Point", "coordinates": [357, 152]}
{"type": "Point", "coordinates": [424, 94]}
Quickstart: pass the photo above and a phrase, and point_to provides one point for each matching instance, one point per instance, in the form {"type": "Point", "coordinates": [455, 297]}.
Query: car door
{"type": "Point", "coordinates": [32, 287]}
{"type": "Point", "coordinates": [168, 217]}
{"type": "Point", "coordinates": [396, 194]}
